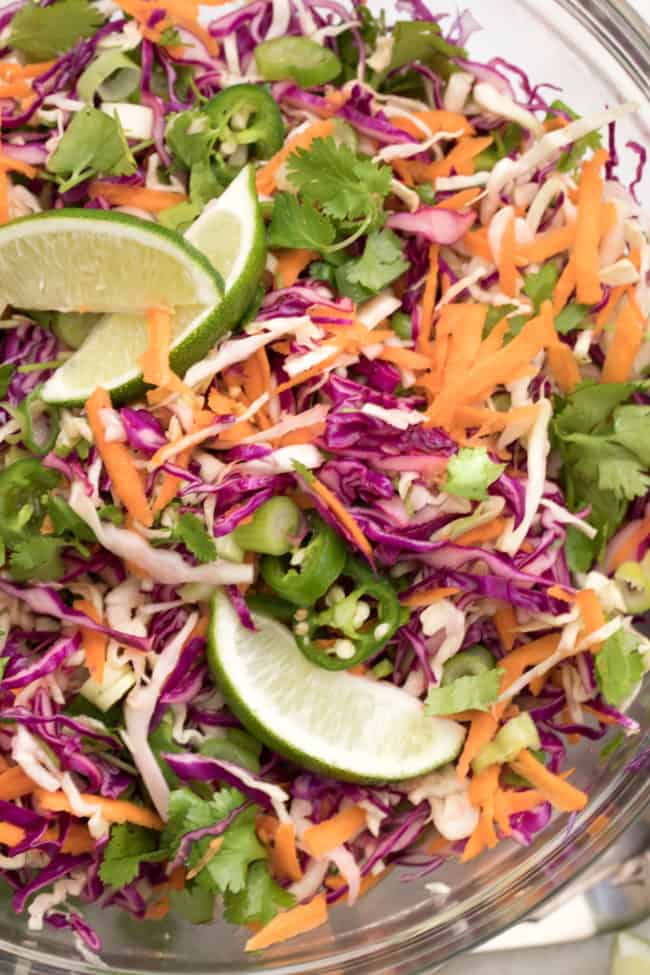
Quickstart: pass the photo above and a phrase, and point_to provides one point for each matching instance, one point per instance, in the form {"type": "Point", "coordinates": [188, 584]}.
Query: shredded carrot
{"type": "Point", "coordinates": [179, 13]}
{"type": "Point", "coordinates": [404, 358]}
{"type": "Point", "coordinates": [608, 309]}
{"type": "Point", "coordinates": [428, 596]}
{"type": "Point", "coordinates": [11, 835]}
{"type": "Point", "coordinates": [547, 245]}
{"type": "Point", "coordinates": [505, 622]}
{"type": "Point", "coordinates": [565, 286]}
{"type": "Point", "coordinates": [284, 858]}
{"type": "Point", "coordinates": [291, 264]}
{"type": "Point", "coordinates": [587, 238]}
{"type": "Point", "coordinates": [560, 356]}
{"type": "Point", "coordinates": [477, 244]}
{"type": "Point", "coordinates": [169, 484]}
{"type": "Point", "coordinates": [484, 533]}
{"type": "Point", "coordinates": [15, 783]}
{"type": "Point", "coordinates": [158, 909]}
{"type": "Point", "coordinates": [561, 794]}
{"type": "Point", "coordinates": [558, 592]}
{"type": "Point", "coordinates": [342, 514]}
{"type": "Point", "coordinates": [428, 300]}
{"type": "Point", "coordinates": [320, 840]}
{"type": "Point", "coordinates": [15, 89]}
{"type": "Point", "coordinates": [591, 611]}
{"type": "Point", "coordinates": [461, 158]}
{"type": "Point", "coordinates": [460, 200]}
{"type": "Point", "coordinates": [113, 810]}
{"type": "Point", "coordinates": [94, 642]}
{"type": "Point", "coordinates": [304, 435]}
{"type": "Point", "coordinates": [624, 347]}
{"type": "Point", "coordinates": [16, 166]}
{"type": "Point", "coordinates": [77, 838]}
{"type": "Point", "coordinates": [463, 325]}
{"type": "Point", "coordinates": [436, 120]}
{"type": "Point", "coordinates": [507, 260]}
{"type": "Point", "coordinates": [12, 71]}
{"type": "Point", "coordinates": [124, 475]}
{"type": "Point", "coordinates": [626, 549]}
{"type": "Point", "coordinates": [483, 785]}
{"type": "Point", "coordinates": [265, 178]}
{"type": "Point", "coordinates": [154, 201]}
{"type": "Point", "coordinates": [154, 362]}
{"type": "Point", "coordinates": [289, 924]}
{"type": "Point", "coordinates": [482, 730]}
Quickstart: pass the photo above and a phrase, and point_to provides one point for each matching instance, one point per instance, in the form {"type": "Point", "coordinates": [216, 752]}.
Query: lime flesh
{"type": "Point", "coordinates": [348, 727]}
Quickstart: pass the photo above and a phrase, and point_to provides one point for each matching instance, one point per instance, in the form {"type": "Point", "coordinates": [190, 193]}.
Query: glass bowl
{"type": "Point", "coordinates": [599, 52]}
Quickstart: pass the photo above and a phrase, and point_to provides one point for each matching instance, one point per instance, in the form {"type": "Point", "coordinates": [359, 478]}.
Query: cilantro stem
{"type": "Point", "coordinates": [42, 366]}
{"type": "Point", "coordinates": [348, 240]}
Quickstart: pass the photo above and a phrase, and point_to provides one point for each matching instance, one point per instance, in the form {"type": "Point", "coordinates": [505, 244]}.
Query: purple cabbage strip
{"type": "Point", "coordinates": [199, 767]}
{"type": "Point", "coordinates": [47, 664]}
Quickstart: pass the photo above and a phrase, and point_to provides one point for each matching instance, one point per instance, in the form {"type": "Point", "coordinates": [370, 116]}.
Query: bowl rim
{"type": "Point", "coordinates": [619, 29]}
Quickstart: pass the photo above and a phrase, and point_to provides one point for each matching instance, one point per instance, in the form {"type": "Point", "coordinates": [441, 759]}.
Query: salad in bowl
{"type": "Point", "coordinates": [324, 455]}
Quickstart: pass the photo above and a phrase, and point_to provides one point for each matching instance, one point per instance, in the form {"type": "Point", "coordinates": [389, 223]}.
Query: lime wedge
{"type": "Point", "coordinates": [345, 726]}
{"type": "Point", "coordinates": [97, 261]}
{"type": "Point", "coordinates": [230, 236]}
{"type": "Point", "coordinates": [630, 956]}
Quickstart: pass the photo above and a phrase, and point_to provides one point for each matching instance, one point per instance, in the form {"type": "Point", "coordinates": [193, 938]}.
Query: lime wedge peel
{"type": "Point", "coordinates": [230, 233]}
{"type": "Point", "coordinates": [630, 955]}
{"type": "Point", "coordinates": [347, 727]}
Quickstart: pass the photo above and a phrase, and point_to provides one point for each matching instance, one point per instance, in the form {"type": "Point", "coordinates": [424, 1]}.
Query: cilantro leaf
{"type": "Point", "coordinates": [92, 145]}
{"type": "Point", "coordinates": [470, 473]}
{"type": "Point", "coordinates": [191, 531]}
{"type": "Point", "coordinates": [570, 159]}
{"type": "Point", "coordinates": [506, 139]}
{"type": "Point", "coordinates": [345, 186]}
{"type": "Point", "coordinates": [191, 136]}
{"type": "Point", "coordinates": [194, 903]}
{"type": "Point", "coordinates": [128, 847]}
{"type": "Point", "coordinates": [240, 847]}
{"type": "Point", "coordinates": [259, 900]}
{"type": "Point", "coordinates": [632, 429]}
{"type": "Point", "coordinates": [422, 40]}
{"type": "Point", "coordinates": [590, 406]}
{"type": "Point", "coordinates": [296, 224]}
{"type": "Point", "coordinates": [65, 521]}
{"type": "Point", "coordinates": [37, 558]}
{"type": "Point", "coordinates": [539, 285]}
{"type": "Point", "coordinates": [187, 812]}
{"type": "Point", "coordinates": [619, 667]}
{"type": "Point", "coordinates": [40, 33]}
{"type": "Point", "coordinates": [572, 316]}
{"type": "Point", "coordinates": [381, 263]}
{"type": "Point", "coordinates": [580, 551]}
{"type": "Point", "coordinates": [477, 691]}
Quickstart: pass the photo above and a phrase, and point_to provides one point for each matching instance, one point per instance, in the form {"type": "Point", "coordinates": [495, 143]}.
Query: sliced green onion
{"type": "Point", "coordinates": [298, 59]}
{"type": "Point", "coordinates": [469, 663]}
{"type": "Point", "coordinates": [39, 423]}
{"type": "Point", "coordinates": [520, 732]}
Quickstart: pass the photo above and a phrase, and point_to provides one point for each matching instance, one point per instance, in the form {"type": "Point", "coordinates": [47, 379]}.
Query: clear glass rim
{"type": "Point", "coordinates": [619, 29]}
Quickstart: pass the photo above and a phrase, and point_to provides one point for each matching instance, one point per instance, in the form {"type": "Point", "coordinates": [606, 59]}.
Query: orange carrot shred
{"type": "Point", "coordinates": [548, 244]}
{"type": "Point", "coordinates": [587, 239]}
{"type": "Point", "coordinates": [113, 810]}
{"type": "Point", "coordinates": [482, 730]}
{"type": "Point", "coordinates": [565, 286]}
{"type": "Point", "coordinates": [460, 200]}
{"type": "Point", "coordinates": [591, 611]}
{"type": "Point", "coordinates": [505, 622]}
{"type": "Point", "coordinates": [603, 315]}
{"type": "Point", "coordinates": [118, 461]}
{"type": "Point", "coordinates": [94, 642]}
{"type": "Point", "coordinates": [291, 264]}
{"type": "Point", "coordinates": [626, 548]}
{"type": "Point", "coordinates": [154, 201]}
{"type": "Point", "coordinates": [320, 840]}
{"type": "Point", "coordinates": [15, 783]}
{"type": "Point", "coordinates": [624, 347]}
{"type": "Point", "coordinates": [342, 514]}
{"type": "Point", "coordinates": [561, 794]}
{"type": "Point", "coordinates": [436, 120]}
{"type": "Point", "coordinates": [507, 260]}
{"type": "Point", "coordinates": [289, 924]}
{"type": "Point", "coordinates": [428, 596]}
{"type": "Point", "coordinates": [484, 533]}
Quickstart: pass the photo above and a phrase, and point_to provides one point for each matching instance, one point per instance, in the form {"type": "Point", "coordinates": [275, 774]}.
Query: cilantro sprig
{"type": "Point", "coordinates": [339, 197]}
{"type": "Point", "coordinates": [604, 443]}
